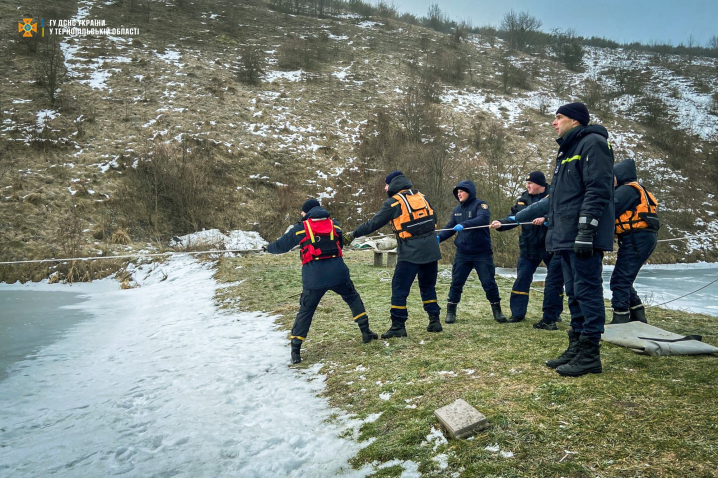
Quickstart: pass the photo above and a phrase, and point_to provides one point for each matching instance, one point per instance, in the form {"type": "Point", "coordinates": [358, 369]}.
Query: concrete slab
{"type": "Point", "coordinates": [461, 419]}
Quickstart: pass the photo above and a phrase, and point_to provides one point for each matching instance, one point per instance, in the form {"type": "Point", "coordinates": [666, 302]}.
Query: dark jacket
{"type": "Point", "coordinates": [536, 210]}
{"type": "Point", "coordinates": [417, 250]}
{"type": "Point", "coordinates": [320, 274]}
{"type": "Point", "coordinates": [582, 185]}
{"type": "Point", "coordinates": [532, 241]}
{"type": "Point", "coordinates": [472, 212]}
{"type": "Point", "coordinates": [625, 197]}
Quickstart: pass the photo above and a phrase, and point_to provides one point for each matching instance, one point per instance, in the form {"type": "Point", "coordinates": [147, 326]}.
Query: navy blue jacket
{"type": "Point", "coordinates": [535, 210]}
{"type": "Point", "coordinates": [472, 212]}
{"type": "Point", "coordinates": [321, 274]}
{"type": "Point", "coordinates": [582, 184]}
{"type": "Point", "coordinates": [532, 241]}
{"type": "Point", "coordinates": [417, 250]}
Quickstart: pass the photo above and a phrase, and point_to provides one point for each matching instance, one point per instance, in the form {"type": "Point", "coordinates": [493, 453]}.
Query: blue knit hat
{"type": "Point", "coordinates": [392, 175]}
{"type": "Point", "coordinates": [576, 111]}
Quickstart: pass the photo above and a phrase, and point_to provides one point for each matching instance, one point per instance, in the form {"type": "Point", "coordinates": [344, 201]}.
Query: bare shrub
{"type": "Point", "coordinates": [519, 29]}
{"type": "Point", "coordinates": [120, 237]}
{"type": "Point", "coordinates": [50, 67]}
{"type": "Point", "coordinates": [252, 65]}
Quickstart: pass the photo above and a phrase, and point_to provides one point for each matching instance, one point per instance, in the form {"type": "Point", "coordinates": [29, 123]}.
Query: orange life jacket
{"type": "Point", "coordinates": [320, 241]}
{"type": "Point", "coordinates": [417, 216]}
{"type": "Point", "coordinates": [643, 216]}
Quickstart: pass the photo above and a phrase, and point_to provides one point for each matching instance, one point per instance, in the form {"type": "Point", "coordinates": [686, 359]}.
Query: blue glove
{"type": "Point", "coordinates": [438, 239]}
{"type": "Point", "coordinates": [458, 228]}
{"type": "Point", "coordinates": [512, 218]}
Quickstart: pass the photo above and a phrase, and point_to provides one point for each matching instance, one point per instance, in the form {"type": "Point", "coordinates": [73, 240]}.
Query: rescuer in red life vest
{"type": "Point", "coordinates": [323, 269]}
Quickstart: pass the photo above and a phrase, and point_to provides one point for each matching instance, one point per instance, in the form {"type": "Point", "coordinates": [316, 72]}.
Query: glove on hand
{"type": "Point", "coordinates": [264, 248]}
{"type": "Point", "coordinates": [348, 237]}
{"type": "Point", "coordinates": [438, 239]}
{"type": "Point", "coordinates": [458, 228]}
{"type": "Point", "coordinates": [583, 245]}
{"type": "Point", "coordinates": [512, 218]}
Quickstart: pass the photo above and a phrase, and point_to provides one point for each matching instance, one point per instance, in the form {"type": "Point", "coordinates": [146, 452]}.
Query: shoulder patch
{"type": "Point", "coordinates": [521, 203]}
{"type": "Point", "coordinates": [484, 205]}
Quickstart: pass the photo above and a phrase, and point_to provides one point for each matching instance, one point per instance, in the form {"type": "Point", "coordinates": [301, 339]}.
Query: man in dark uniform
{"type": "Point", "coordinates": [473, 250]}
{"type": "Point", "coordinates": [580, 229]}
{"type": "Point", "coordinates": [636, 231]}
{"type": "Point", "coordinates": [323, 269]}
{"type": "Point", "coordinates": [532, 247]}
{"type": "Point", "coordinates": [414, 224]}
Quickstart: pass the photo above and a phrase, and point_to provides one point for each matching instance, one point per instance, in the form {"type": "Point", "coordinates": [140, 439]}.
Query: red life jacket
{"type": "Point", "coordinates": [320, 241]}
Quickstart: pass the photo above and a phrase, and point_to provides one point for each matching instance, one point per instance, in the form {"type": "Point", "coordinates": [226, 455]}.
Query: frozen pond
{"type": "Point", "coordinates": [657, 284]}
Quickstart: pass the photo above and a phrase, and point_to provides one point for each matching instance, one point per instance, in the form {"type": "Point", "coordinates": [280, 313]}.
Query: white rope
{"type": "Point", "coordinates": [127, 256]}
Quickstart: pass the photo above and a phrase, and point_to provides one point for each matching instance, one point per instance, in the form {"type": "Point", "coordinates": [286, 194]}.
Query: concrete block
{"type": "Point", "coordinates": [378, 259]}
{"type": "Point", "coordinates": [461, 419]}
{"type": "Point", "coordinates": [391, 259]}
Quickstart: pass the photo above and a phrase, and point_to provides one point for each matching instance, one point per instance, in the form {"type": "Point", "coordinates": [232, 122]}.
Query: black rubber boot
{"type": "Point", "coordinates": [296, 347]}
{"type": "Point", "coordinates": [620, 317]}
{"type": "Point", "coordinates": [450, 313]}
{"type": "Point", "coordinates": [434, 324]}
{"type": "Point", "coordinates": [569, 353]}
{"type": "Point", "coordinates": [588, 360]}
{"type": "Point", "coordinates": [514, 319]}
{"type": "Point", "coordinates": [638, 313]}
{"type": "Point", "coordinates": [498, 315]}
{"type": "Point", "coordinates": [397, 329]}
{"type": "Point", "coordinates": [546, 324]}
{"type": "Point", "coordinates": [366, 334]}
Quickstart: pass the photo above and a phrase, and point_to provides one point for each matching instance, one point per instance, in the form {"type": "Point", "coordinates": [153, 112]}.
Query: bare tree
{"type": "Point", "coordinates": [50, 68]}
{"type": "Point", "coordinates": [713, 42]}
{"type": "Point", "coordinates": [252, 65]}
{"type": "Point", "coordinates": [519, 28]}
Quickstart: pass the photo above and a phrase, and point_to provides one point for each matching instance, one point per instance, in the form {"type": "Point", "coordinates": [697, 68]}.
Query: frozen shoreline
{"type": "Point", "coordinates": [160, 382]}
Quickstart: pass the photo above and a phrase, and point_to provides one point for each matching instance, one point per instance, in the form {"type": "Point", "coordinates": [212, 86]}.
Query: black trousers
{"type": "Point", "coordinates": [309, 300]}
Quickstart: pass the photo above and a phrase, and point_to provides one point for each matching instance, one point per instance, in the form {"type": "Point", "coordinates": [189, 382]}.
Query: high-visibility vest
{"type": "Point", "coordinates": [417, 217]}
{"type": "Point", "coordinates": [643, 216]}
{"type": "Point", "coordinates": [320, 240]}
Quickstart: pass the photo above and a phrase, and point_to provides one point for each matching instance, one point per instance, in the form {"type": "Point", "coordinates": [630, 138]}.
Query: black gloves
{"type": "Point", "coordinates": [264, 248]}
{"type": "Point", "coordinates": [348, 237]}
{"type": "Point", "coordinates": [583, 245]}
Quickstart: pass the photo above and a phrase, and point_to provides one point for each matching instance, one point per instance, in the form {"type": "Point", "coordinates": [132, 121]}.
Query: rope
{"type": "Point", "coordinates": [685, 295]}
{"type": "Point", "coordinates": [689, 237]}
{"type": "Point", "coordinates": [127, 256]}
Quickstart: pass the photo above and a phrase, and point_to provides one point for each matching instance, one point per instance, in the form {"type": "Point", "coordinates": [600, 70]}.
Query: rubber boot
{"type": "Point", "coordinates": [588, 360]}
{"type": "Point", "coordinates": [638, 313]}
{"type": "Point", "coordinates": [546, 324]}
{"type": "Point", "coordinates": [434, 324]}
{"type": "Point", "coordinates": [620, 317]}
{"type": "Point", "coordinates": [498, 315]}
{"type": "Point", "coordinates": [296, 347]}
{"type": "Point", "coordinates": [450, 313]}
{"type": "Point", "coordinates": [397, 329]}
{"type": "Point", "coordinates": [366, 334]}
{"type": "Point", "coordinates": [569, 353]}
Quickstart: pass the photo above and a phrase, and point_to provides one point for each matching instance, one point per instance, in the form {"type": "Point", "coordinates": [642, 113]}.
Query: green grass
{"type": "Point", "coordinates": [644, 416]}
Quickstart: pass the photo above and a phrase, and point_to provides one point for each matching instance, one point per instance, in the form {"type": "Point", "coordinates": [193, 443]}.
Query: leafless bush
{"type": "Point", "coordinates": [50, 68]}
{"type": "Point", "coordinates": [519, 28]}
{"type": "Point", "coordinates": [252, 65]}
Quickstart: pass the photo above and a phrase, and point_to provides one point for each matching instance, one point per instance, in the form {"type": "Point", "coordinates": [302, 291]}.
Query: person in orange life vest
{"type": "Point", "coordinates": [636, 232]}
{"type": "Point", "coordinates": [323, 269]}
{"type": "Point", "coordinates": [473, 250]}
{"type": "Point", "coordinates": [414, 223]}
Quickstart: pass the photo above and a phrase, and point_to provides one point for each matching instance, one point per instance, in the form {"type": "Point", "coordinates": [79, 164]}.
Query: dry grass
{"type": "Point", "coordinates": [644, 416]}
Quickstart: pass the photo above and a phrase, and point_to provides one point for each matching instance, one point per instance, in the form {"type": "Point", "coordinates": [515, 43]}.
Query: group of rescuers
{"type": "Point", "coordinates": [568, 226]}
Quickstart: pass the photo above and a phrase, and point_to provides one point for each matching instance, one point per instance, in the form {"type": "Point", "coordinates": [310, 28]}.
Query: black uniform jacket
{"type": "Point", "coordinates": [532, 241]}
{"type": "Point", "coordinates": [417, 250]}
{"type": "Point", "coordinates": [321, 274]}
{"type": "Point", "coordinates": [582, 185]}
{"type": "Point", "coordinates": [472, 212]}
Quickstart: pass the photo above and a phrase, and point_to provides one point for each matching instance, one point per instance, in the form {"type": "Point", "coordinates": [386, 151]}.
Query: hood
{"type": "Point", "coordinates": [317, 212]}
{"type": "Point", "coordinates": [397, 184]}
{"type": "Point", "coordinates": [625, 171]}
{"type": "Point", "coordinates": [467, 186]}
{"type": "Point", "coordinates": [579, 132]}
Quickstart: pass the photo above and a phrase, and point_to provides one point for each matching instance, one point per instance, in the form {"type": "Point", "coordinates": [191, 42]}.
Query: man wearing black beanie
{"type": "Point", "coordinates": [580, 229]}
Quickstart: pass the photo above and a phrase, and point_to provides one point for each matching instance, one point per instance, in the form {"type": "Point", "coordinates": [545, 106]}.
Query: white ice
{"type": "Point", "coordinates": [162, 383]}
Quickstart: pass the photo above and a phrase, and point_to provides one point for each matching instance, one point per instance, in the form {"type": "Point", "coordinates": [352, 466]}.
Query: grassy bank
{"type": "Point", "coordinates": [644, 416]}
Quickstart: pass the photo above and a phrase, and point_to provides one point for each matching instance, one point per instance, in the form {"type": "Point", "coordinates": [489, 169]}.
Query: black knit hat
{"type": "Point", "coordinates": [537, 177]}
{"type": "Point", "coordinates": [576, 111]}
{"type": "Point", "coordinates": [392, 175]}
{"type": "Point", "coordinates": [309, 204]}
